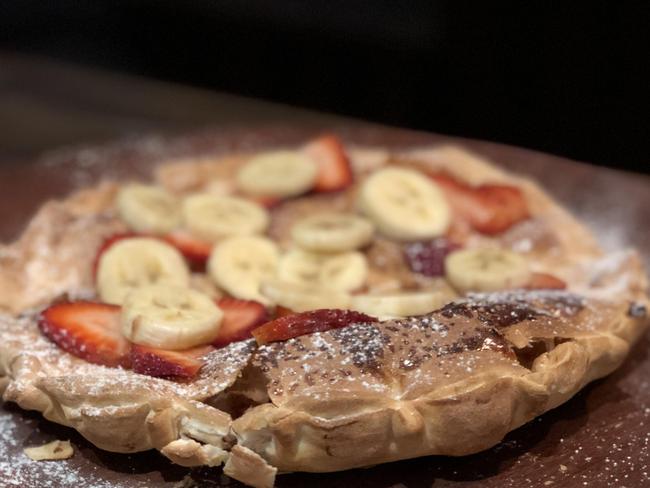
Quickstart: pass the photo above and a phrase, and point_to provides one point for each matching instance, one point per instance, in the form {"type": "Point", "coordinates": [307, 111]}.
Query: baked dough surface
{"type": "Point", "coordinates": [453, 382]}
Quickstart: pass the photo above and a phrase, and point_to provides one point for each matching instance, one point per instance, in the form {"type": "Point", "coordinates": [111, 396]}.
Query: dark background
{"type": "Point", "coordinates": [563, 77]}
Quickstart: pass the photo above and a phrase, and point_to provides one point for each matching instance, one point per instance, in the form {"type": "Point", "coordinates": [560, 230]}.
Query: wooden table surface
{"type": "Point", "coordinates": [599, 438]}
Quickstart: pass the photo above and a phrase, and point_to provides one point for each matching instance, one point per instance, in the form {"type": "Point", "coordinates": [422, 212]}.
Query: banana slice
{"type": "Point", "coordinates": [486, 270]}
{"type": "Point", "coordinates": [302, 298]}
{"type": "Point", "coordinates": [170, 317]}
{"type": "Point", "coordinates": [277, 174]}
{"type": "Point", "coordinates": [240, 264]}
{"type": "Point", "coordinates": [404, 204]}
{"type": "Point", "coordinates": [136, 262]}
{"type": "Point", "coordinates": [147, 208]}
{"type": "Point", "coordinates": [400, 304]}
{"type": "Point", "coordinates": [344, 272]}
{"type": "Point", "coordinates": [212, 216]}
{"type": "Point", "coordinates": [300, 267]}
{"type": "Point", "coordinates": [332, 232]}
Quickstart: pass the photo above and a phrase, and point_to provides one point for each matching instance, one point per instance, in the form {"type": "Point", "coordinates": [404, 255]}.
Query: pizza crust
{"type": "Point", "coordinates": [466, 415]}
{"type": "Point", "coordinates": [311, 430]}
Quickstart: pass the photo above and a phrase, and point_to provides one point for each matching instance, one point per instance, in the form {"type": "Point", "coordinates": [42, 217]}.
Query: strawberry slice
{"type": "Point", "coordinates": [507, 205]}
{"type": "Point", "coordinates": [545, 281]}
{"type": "Point", "coordinates": [195, 251]}
{"type": "Point", "coordinates": [89, 330]}
{"type": "Point", "coordinates": [298, 324]}
{"type": "Point", "coordinates": [162, 363]}
{"type": "Point", "coordinates": [107, 244]}
{"type": "Point", "coordinates": [240, 317]}
{"type": "Point", "coordinates": [334, 170]}
{"type": "Point", "coordinates": [490, 209]}
{"type": "Point", "coordinates": [281, 311]}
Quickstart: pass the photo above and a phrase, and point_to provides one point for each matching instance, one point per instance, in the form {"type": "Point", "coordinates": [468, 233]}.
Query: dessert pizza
{"type": "Point", "coordinates": [313, 308]}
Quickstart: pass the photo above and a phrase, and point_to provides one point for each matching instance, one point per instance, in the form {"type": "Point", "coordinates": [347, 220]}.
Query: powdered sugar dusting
{"type": "Point", "coordinates": [58, 368]}
{"type": "Point", "coordinates": [374, 360]}
{"type": "Point", "coordinates": [20, 471]}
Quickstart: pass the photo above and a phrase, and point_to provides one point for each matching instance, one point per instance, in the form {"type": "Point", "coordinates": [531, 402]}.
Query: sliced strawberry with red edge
{"type": "Point", "coordinates": [281, 311]}
{"type": "Point", "coordinates": [545, 281]}
{"type": "Point", "coordinates": [490, 208]}
{"type": "Point", "coordinates": [334, 169]}
{"type": "Point", "coordinates": [507, 205]}
{"type": "Point", "coordinates": [163, 363]}
{"type": "Point", "coordinates": [107, 244]}
{"type": "Point", "coordinates": [88, 330]}
{"type": "Point", "coordinates": [240, 318]}
{"type": "Point", "coordinates": [303, 323]}
{"type": "Point", "coordinates": [463, 200]}
{"type": "Point", "coordinates": [195, 251]}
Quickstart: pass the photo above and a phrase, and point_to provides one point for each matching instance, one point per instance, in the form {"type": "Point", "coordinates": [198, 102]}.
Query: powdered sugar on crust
{"type": "Point", "coordinates": [368, 359]}
{"type": "Point", "coordinates": [26, 346]}
{"type": "Point", "coordinates": [511, 305]}
{"type": "Point", "coordinates": [372, 361]}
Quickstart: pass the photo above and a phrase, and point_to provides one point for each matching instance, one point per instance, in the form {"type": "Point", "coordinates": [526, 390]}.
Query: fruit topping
{"type": "Point", "coordinates": [404, 204]}
{"type": "Point", "coordinates": [332, 232]}
{"type": "Point", "coordinates": [212, 217]}
{"type": "Point", "coordinates": [404, 304]}
{"type": "Point", "coordinates": [108, 242]}
{"type": "Point", "coordinates": [170, 317]}
{"type": "Point", "coordinates": [428, 257]}
{"type": "Point", "coordinates": [162, 363]}
{"type": "Point", "coordinates": [299, 324]}
{"type": "Point", "coordinates": [280, 174]}
{"type": "Point", "coordinates": [545, 281]}
{"type": "Point", "coordinates": [240, 317]}
{"type": "Point", "coordinates": [490, 208]}
{"type": "Point", "coordinates": [302, 297]}
{"type": "Point", "coordinates": [345, 271]}
{"type": "Point", "coordinates": [486, 269]}
{"type": "Point", "coordinates": [129, 264]}
{"type": "Point", "coordinates": [148, 208]}
{"type": "Point", "coordinates": [281, 311]}
{"type": "Point", "coordinates": [194, 250]}
{"type": "Point", "coordinates": [239, 265]}
{"type": "Point", "coordinates": [91, 331]}
{"type": "Point", "coordinates": [267, 202]}
{"type": "Point", "coordinates": [334, 170]}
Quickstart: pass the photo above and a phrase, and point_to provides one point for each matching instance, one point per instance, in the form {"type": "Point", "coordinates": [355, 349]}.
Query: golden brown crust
{"type": "Point", "coordinates": [383, 413]}
{"type": "Point", "coordinates": [457, 401]}
{"type": "Point", "coordinates": [248, 466]}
